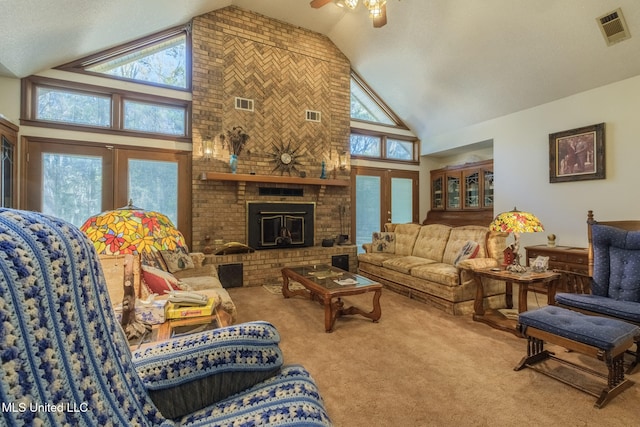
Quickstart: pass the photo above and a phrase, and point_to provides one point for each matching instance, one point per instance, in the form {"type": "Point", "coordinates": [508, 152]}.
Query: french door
{"type": "Point", "coordinates": [74, 181]}
{"type": "Point", "coordinates": [380, 196]}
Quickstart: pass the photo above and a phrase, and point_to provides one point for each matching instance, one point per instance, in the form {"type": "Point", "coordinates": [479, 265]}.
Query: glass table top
{"type": "Point", "coordinates": [332, 277]}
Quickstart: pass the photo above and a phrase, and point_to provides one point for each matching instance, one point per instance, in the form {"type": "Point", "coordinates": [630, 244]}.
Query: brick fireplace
{"type": "Point", "coordinates": [286, 71]}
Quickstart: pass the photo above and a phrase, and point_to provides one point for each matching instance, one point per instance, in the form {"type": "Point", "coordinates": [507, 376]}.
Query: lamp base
{"type": "Point", "coordinates": [515, 266]}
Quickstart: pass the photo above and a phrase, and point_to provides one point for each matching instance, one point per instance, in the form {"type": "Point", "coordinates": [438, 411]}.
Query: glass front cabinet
{"type": "Point", "coordinates": [463, 187]}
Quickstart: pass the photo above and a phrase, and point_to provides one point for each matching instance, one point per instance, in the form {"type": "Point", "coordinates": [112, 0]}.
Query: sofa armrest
{"type": "Point", "coordinates": [204, 270]}
{"type": "Point", "coordinates": [197, 258]}
{"type": "Point", "coordinates": [187, 374]}
{"type": "Point", "coordinates": [367, 247]}
{"type": "Point", "coordinates": [477, 263]}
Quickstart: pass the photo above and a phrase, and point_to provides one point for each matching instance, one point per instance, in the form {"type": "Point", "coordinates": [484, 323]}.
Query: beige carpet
{"type": "Point", "coordinates": [421, 367]}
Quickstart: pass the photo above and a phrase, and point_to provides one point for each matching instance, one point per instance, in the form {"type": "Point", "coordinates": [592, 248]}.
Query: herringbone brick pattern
{"type": "Point", "coordinates": [286, 70]}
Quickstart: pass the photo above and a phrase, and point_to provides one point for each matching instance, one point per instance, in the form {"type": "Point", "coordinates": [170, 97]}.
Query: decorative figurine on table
{"type": "Point", "coordinates": [323, 172]}
{"type": "Point", "coordinates": [551, 240]}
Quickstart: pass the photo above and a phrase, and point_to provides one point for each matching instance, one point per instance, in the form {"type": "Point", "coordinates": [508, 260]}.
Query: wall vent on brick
{"type": "Point", "coordinates": [313, 116]}
{"type": "Point", "coordinates": [244, 104]}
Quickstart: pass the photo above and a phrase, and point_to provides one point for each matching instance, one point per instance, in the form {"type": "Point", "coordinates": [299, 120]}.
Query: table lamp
{"type": "Point", "coordinates": [516, 222]}
{"type": "Point", "coordinates": [131, 231]}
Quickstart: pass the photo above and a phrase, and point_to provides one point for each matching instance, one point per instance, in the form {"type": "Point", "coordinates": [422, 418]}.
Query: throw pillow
{"type": "Point", "coordinates": [468, 251]}
{"type": "Point", "coordinates": [383, 241]}
{"type": "Point", "coordinates": [158, 281]}
{"type": "Point", "coordinates": [153, 258]}
{"type": "Point", "coordinates": [177, 260]}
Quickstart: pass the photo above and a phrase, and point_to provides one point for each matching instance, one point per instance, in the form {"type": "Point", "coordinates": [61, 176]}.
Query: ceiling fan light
{"type": "Point", "coordinates": [339, 3]}
{"type": "Point", "coordinates": [375, 11]}
{"type": "Point", "coordinates": [374, 4]}
{"type": "Point", "coordinates": [351, 4]}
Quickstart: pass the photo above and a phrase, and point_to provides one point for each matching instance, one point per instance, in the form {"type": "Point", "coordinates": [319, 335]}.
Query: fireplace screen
{"type": "Point", "coordinates": [281, 230]}
{"type": "Point", "coordinates": [279, 225]}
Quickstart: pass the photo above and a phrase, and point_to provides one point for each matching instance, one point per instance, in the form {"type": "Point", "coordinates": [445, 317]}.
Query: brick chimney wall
{"type": "Point", "coordinates": [285, 70]}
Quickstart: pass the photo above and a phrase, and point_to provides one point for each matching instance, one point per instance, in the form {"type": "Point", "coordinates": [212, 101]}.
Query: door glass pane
{"type": "Point", "coordinates": [72, 186]}
{"type": "Point", "coordinates": [453, 192]}
{"type": "Point", "coordinates": [153, 186]}
{"type": "Point", "coordinates": [401, 200]}
{"type": "Point", "coordinates": [367, 208]}
{"type": "Point", "coordinates": [472, 190]}
{"type": "Point", "coordinates": [6, 173]}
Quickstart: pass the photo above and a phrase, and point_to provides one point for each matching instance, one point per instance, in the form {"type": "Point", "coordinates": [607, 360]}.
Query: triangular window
{"type": "Point", "coordinates": [159, 60]}
{"type": "Point", "coordinates": [367, 107]}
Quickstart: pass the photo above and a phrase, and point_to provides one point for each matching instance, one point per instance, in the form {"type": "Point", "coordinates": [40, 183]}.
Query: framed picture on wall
{"type": "Point", "coordinates": [577, 154]}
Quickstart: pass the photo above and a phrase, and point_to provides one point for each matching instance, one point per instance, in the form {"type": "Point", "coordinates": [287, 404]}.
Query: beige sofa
{"type": "Point", "coordinates": [201, 278]}
{"type": "Point", "coordinates": [418, 261]}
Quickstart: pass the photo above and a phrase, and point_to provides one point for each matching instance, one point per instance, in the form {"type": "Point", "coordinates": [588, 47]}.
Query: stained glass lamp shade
{"type": "Point", "coordinates": [131, 231]}
{"type": "Point", "coordinates": [516, 222]}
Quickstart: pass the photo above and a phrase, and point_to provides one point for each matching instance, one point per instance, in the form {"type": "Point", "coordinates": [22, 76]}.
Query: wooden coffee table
{"type": "Point", "coordinates": [321, 283]}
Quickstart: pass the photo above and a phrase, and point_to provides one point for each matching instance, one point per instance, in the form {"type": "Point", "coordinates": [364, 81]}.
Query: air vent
{"type": "Point", "coordinates": [613, 27]}
{"type": "Point", "coordinates": [244, 104]}
{"type": "Point", "coordinates": [313, 116]}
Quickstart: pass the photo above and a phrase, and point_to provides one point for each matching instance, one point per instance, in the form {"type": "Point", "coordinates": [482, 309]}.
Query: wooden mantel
{"type": "Point", "coordinates": [242, 179]}
{"type": "Point", "coordinates": [221, 176]}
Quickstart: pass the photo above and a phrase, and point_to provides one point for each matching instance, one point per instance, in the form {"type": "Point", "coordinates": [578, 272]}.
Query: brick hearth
{"type": "Point", "coordinates": [263, 267]}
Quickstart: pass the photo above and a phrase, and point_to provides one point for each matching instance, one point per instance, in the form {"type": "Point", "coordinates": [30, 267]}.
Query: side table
{"type": "Point", "coordinates": [529, 281]}
{"type": "Point", "coordinates": [174, 328]}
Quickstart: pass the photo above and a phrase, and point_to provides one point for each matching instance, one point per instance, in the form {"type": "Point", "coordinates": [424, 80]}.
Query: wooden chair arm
{"type": "Point", "coordinates": [574, 282]}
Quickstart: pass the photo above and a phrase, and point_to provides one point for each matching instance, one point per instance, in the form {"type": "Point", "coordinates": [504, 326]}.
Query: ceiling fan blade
{"type": "Point", "coordinates": [381, 20]}
{"type": "Point", "coordinates": [319, 3]}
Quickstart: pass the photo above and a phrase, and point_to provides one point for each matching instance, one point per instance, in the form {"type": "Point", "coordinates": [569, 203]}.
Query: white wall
{"type": "Point", "coordinates": [521, 160]}
{"type": "Point", "coordinates": [10, 99]}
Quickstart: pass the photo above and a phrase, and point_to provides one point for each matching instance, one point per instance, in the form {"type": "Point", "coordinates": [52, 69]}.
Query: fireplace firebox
{"type": "Point", "coordinates": [274, 225]}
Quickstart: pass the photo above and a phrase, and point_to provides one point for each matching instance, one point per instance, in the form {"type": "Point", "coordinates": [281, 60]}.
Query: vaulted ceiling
{"type": "Point", "coordinates": [439, 64]}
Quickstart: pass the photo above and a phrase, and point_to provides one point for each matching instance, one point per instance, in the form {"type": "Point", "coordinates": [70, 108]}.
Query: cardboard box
{"type": "Point", "coordinates": [173, 312]}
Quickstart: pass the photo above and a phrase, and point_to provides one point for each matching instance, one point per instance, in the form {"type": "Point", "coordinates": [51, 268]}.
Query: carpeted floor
{"type": "Point", "coordinates": [421, 367]}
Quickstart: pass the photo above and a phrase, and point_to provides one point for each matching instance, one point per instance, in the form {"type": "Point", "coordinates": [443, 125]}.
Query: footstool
{"type": "Point", "coordinates": [598, 337]}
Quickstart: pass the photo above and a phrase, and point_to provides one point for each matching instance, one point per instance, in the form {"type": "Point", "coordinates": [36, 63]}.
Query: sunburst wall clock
{"type": "Point", "coordinates": [285, 158]}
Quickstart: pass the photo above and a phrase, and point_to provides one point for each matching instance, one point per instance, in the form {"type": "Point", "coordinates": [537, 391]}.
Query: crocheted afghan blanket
{"type": "Point", "coordinates": [64, 358]}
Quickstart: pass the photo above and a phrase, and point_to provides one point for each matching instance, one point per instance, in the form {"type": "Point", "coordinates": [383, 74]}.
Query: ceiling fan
{"type": "Point", "coordinates": [377, 8]}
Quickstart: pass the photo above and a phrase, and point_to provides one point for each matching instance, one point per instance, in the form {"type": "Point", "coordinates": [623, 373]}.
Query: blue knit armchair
{"type": "Point", "coordinates": [65, 361]}
{"type": "Point", "coordinates": [612, 287]}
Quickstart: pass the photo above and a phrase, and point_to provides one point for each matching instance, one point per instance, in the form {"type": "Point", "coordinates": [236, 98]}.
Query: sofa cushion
{"type": "Point", "coordinates": [177, 260]}
{"type": "Point", "coordinates": [438, 272]}
{"type": "Point", "coordinates": [377, 258]}
{"type": "Point", "coordinates": [468, 251]}
{"type": "Point", "coordinates": [383, 241]}
{"type": "Point", "coordinates": [626, 310]}
{"type": "Point", "coordinates": [406, 263]}
{"type": "Point", "coordinates": [406, 237]}
{"type": "Point", "coordinates": [460, 236]}
{"type": "Point", "coordinates": [431, 241]}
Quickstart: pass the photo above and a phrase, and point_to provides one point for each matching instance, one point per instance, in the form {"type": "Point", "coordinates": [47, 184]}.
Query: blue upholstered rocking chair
{"type": "Point", "coordinates": [65, 361]}
{"type": "Point", "coordinates": [612, 287]}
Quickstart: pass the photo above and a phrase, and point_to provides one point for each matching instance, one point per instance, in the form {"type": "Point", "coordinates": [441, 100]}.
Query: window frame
{"type": "Point", "coordinates": [79, 66]}
{"type": "Point", "coordinates": [383, 146]}
{"type": "Point", "coordinates": [399, 131]}
{"type": "Point", "coordinates": [29, 86]}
